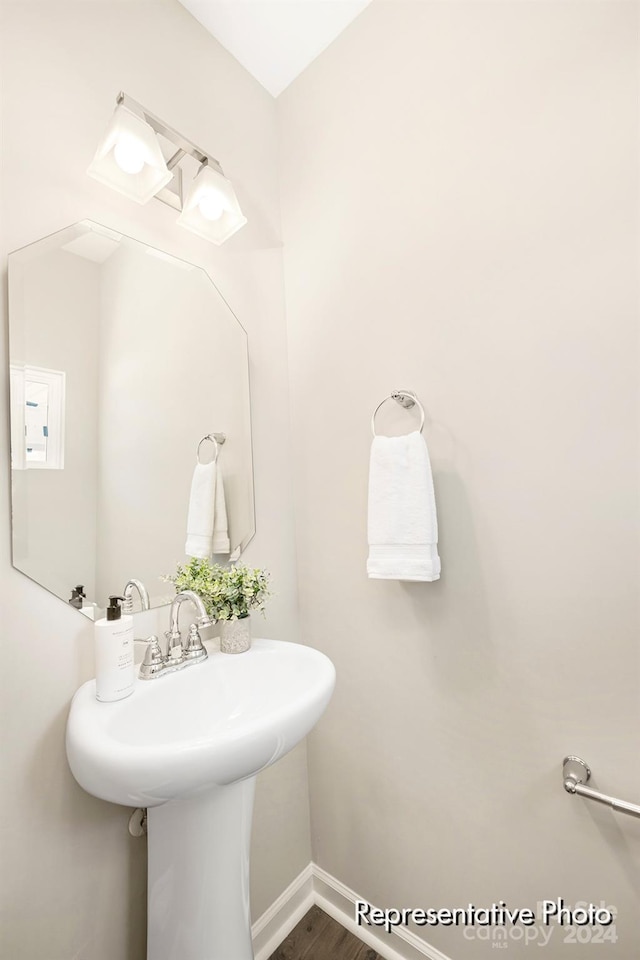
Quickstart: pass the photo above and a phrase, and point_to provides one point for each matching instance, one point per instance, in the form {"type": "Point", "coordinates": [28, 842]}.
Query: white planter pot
{"type": "Point", "coordinates": [235, 635]}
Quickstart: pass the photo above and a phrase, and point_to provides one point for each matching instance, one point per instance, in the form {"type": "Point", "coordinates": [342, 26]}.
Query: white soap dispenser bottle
{"type": "Point", "coordinates": [114, 653]}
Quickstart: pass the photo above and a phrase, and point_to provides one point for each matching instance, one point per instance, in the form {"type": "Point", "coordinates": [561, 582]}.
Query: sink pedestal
{"type": "Point", "coordinates": [198, 899]}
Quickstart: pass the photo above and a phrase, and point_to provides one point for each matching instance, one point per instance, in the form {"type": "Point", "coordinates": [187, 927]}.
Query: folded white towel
{"type": "Point", "coordinates": [403, 525]}
{"type": "Point", "coordinates": [221, 542]}
{"type": "Point", "coordinates": [201, 511]}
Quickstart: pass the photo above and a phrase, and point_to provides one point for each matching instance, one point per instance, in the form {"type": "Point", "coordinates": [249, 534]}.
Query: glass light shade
{"type": "Point", "coordinates": [211, 208]}
{"type": "Point", "coordinates": [129, 158]}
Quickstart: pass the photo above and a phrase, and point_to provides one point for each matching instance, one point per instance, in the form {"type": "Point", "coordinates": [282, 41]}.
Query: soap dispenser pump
{"type": "Point", "coordinates": [76, 599]}
{"type": "Point", "coordinates": [114, 653]}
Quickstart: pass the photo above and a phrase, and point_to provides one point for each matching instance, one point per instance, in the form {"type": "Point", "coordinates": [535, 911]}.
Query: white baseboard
{"type": "Point", "coordinates": [315, 886]}
{"type": "Point", "coordinates": [339, 902]}
{"type": "Point", "coordinates": [278, 921]}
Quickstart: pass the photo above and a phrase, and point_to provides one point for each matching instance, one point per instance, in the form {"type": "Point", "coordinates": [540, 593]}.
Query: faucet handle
{"type": "Point", "coordinates": [195, 651]}
{"type": "Point", "coordinates": [153, 662]}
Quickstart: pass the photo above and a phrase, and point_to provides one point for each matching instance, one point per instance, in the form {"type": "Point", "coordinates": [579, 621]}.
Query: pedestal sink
{"type": "Point", "coordinates": [188, 746]}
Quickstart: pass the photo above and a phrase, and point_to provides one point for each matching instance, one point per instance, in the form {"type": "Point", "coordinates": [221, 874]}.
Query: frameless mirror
{"type": "Point", "coordinates": [122, 358]}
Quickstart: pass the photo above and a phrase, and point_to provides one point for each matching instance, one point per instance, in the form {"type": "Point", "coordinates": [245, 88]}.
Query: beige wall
{"type": "Point", "coordinates": [74, 881]}
{"type": "Point", "coordinates": [460, 216]}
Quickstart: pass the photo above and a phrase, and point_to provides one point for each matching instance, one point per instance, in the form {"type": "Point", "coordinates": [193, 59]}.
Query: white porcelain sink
{"type": "Point", "coordinates": [188, 746]}
{"type": "Point", "coordinates": [212, 723]}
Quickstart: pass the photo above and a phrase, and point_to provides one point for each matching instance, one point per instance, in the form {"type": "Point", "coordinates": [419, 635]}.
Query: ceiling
{"type": "Point", "coordinates": [275, 39]}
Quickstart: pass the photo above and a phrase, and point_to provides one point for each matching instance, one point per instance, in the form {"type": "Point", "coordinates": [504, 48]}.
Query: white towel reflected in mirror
{"type": "Point", "coordinates": [207, 525]}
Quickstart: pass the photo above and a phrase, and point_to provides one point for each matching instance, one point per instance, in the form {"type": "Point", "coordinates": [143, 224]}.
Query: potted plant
{"type": "Point", "coordinates": [229, 594]}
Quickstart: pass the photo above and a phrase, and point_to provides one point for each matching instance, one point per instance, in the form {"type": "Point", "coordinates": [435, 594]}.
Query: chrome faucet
{"type": "Point", "coordinates": [127, 593]}
{"type": "Point", "coordinates": [155, 664]}
{"type": "Point", "coordinates": [173, 635]}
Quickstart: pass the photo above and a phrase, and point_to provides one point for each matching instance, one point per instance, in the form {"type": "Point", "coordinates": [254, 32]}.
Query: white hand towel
{"type": "Point", "coordinates": [201, 511]}
{"type": "Point", "coordinates": [403, 525]}
{"type": "Point", "coordinates": [221, 542]}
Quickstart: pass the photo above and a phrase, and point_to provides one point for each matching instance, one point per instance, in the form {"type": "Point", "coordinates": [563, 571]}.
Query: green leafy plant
{"type": "Point", "coordinates": [228, 593]}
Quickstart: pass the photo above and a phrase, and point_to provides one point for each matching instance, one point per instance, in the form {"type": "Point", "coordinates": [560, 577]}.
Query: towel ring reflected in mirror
{"type": "Point", "coordinates": [406, 399]}
{"type": "Point", "coordinates": [217, 439]}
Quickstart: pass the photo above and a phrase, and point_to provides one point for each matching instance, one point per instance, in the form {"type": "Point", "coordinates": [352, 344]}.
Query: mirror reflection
{"type": "Point", "coordinates": [122, 360]}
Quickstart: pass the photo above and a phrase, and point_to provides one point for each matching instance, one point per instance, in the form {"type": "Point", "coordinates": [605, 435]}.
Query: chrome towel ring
{"type": "Point", "coordinates": [217, 439]}
{"type": "Point", "coordinates": [406, 399]}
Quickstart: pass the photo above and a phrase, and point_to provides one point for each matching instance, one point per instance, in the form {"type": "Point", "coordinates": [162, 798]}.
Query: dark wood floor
{"type": "Point", "coordinates": [319, 937]}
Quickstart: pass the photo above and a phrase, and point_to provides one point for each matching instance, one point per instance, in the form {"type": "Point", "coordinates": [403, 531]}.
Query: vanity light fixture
{"type": "Point", "coordinates": [211, 208]}
{"type": "Point", "coordinates": [130, 159]}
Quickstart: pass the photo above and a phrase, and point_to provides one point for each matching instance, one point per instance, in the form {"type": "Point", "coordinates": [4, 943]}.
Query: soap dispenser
{"type": "Point", "coordinates": [114, 653]}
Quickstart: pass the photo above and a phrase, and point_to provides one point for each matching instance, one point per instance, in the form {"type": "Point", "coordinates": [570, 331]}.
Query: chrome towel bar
{"type": "Point", "coordinates": [576, 774]}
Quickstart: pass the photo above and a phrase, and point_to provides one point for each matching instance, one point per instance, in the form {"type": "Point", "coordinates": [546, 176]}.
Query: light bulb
{"type": "Point", "coordinates": [211, 205]}
{"type": "Point", "coordinates": [129, 156]}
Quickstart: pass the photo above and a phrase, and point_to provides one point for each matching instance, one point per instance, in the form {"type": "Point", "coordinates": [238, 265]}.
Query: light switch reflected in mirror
{"type": "Point", "coordinates": [122, 358]}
